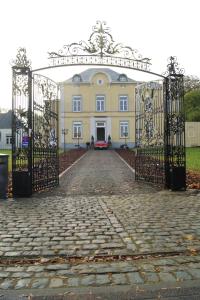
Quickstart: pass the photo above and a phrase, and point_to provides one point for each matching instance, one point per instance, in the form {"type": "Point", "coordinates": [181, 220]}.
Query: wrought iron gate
{"type": "Point", "coordinates": [45, 170]}
{"type": "Point", "coordinates": [160, 122]}
{"type": "Point", "coordinates": [34, 130]}
{"type": "Point", "coordinates": [149, 163]}
{"type": "Point", "coordinates": [160, 130]}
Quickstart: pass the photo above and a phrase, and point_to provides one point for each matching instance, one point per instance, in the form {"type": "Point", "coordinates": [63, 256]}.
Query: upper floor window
{"type": "Point", "coordinates": [100, 103]}
{"type": "Point", "coordinates": [77, 130]}
{"type": "Point", "coordinates": [123, 103]}
{"type": "Point", "coordinates": [76, 103]}
{"type": "Point", "coordinates": [76, 78]}
{"type": "Point", "coordinates": [123, 129]}
{"type": "Point", "coordinates": [123, 78]}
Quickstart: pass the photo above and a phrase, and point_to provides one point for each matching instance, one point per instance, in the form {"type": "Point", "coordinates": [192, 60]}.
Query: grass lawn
{"type": "Point", "coordinates": [9, 158]}
{"type": "Point", "coordinates": [193, 159]}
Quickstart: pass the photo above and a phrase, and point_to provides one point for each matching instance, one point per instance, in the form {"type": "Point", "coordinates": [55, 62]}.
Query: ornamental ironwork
{"type": "Point", "coordinates": [149, 161]}
{"type": "Point", "coordinates": [173, 67]}
{"type": "Point", "coordinates": [100, 49]}
{"type": "Point", "coordinates": [21, 60]}
{"type": "Point", "coordinates": [45, 133]}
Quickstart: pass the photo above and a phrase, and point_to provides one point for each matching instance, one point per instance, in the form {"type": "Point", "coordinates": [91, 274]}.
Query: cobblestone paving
{"type": "Point", "coordinates": [172, 269]}
{"type": "Point", "coordinates": [100, 173]}
{"type": "Point", "coordinates": [100, 210]}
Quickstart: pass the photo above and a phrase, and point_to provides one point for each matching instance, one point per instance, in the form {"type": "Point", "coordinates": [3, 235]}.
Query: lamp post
{"type": "Point", "coordinates": [64, 132]}
{"type": "Point", "coordinates": [125, 136]}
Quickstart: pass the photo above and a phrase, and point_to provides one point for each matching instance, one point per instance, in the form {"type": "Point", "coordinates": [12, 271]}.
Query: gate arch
{"type": "Point", "coordinates": [35, 147]}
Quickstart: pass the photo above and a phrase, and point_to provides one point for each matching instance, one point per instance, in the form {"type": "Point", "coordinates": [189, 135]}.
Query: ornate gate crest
{"type": "Point", "coordinates": [100, 49]}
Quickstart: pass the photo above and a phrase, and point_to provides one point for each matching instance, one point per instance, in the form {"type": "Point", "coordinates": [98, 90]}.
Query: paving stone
{"type": "Point", "coordinates": [182, 275]}
{"type": "Point", "coordinates": [21, 275]}
{"type": "Point", "coordinates": [55, 283]}
{"type": "Point", "coordinates": [15, 269]}
{"type": "Point", "coordinates": [102, 279]}
{"type": "Point", "coordinates": [57, 267]}
{"type": "Point", "coordinates": [22, 284]}
{"type": "Point", "coordinates": [119, 279]}
{"type": "Point", "coordinates": [4, 274]}
{"type": "Point", "coordinates": [166, 277]}
{"type": "Point", "coordinates": [7, 284]}
{"type": "Point", "coordinates": [195, 273]}
{"type": "Point", "coordinates": [35, 269]}
{"type": "Point", "coordinates": [40, 283]}
{"type": "Point", "coordinates": [135, 278]}
{"type": "Point", "coordinates": [150, 276]}
{"type": "Point", "coordinates": [73, 282]}
{"type": "Point", "coordinates": [88, 280]}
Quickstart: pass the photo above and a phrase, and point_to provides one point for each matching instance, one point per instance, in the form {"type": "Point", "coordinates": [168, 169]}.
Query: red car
{"type": "Point", "coordinates": [100, 145]}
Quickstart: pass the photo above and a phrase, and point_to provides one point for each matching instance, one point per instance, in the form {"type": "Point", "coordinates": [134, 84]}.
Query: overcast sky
{"type": "Point", "coordinates": [156, 28]}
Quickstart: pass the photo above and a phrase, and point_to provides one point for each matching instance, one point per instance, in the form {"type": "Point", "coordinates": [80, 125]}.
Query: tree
{"type": "Point", "coordinates": [191, 83]}
{"type": "Point", "coordinates": [192, 106]}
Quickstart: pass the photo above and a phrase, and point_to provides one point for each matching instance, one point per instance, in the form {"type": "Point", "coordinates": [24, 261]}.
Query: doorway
{"type": "Point", "coordinates": [100, 133]}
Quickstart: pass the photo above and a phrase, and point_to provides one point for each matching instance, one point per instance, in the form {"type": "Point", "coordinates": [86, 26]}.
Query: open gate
{"type": "Point", "coordinates": [34, 130]}
{"type": "Point", "coordinates": [160, 122]}
{"type": "Point", "coordinates": [45, 170]}
{"type": "Point", "coordinates": [149, 161]}
{"type": "Point", "coordinates": [160, 130]}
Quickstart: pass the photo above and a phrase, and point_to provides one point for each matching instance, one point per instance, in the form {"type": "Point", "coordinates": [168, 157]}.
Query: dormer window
{"type": "Point", "coordinates": [76, 78]}
{"type": "Point", "coordinates": [123, 78]}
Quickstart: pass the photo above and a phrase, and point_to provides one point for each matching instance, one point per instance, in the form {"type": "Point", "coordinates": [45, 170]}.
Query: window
{"type": "Point", "coordinates": [123, 129]}
{"type": "Point", "coordinates": [123, 78]}
{"type": "Point", "coordinates": [76, 103]}
{"type": "Point", "coordinates": [99, 81]}
{"type": "Point", "coordinates": [123, 103]}
{"type": "Point", "coordinates": [76, 78]}
{"type": "Point", "coordinates": [100, 103]}
{"type": "Point", "coordinates": [8, 139]}
{"type": "Point", "coordinates": [77, 130]}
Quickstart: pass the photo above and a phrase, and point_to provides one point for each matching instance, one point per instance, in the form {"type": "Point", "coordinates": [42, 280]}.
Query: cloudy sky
{"type": "Point", "coordinates": [156, 28]}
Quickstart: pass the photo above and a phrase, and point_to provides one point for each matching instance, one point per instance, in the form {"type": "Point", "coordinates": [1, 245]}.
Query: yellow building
{"type": "Point", "coordinates": [97, 103]}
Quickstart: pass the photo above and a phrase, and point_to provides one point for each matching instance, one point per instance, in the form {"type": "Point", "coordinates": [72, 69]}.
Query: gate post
{"type": "Point", "coordinates": [175, 166]}
{"type": "Point", "coordinates": [21, 126]}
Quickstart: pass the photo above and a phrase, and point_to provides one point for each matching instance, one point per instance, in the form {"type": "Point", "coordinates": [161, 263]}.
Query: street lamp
{"type": "Point", "coordinates": [64, 132]}
{"type": "Point", "coordinates": [125, 136]}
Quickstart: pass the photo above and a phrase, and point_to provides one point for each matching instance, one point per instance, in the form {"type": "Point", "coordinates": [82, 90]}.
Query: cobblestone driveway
{"type": "Point", "coordinates": [98, 210]}
{"type": "Point", "coordinates": [122, 217]}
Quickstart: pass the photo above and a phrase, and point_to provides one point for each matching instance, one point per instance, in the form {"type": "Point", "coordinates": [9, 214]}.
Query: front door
{"type": "Point", "coordinates": [101, 133]}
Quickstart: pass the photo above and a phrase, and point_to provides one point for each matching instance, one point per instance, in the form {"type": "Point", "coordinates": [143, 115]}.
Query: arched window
{"type": "Point", "coordinates": [123, 78]}
{"type": "Point", "coordinates": [76, 78]}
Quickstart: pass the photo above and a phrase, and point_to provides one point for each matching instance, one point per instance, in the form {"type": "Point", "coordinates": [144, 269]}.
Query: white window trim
{"type": "Point", "coordinates": [120, 125]}
{"type": "Point", "coordinates": [104, 100]}
{"type": "Point", "coordinates": [123, 102]}
{"type": "Point", "coordinates": [8, 139]}
{"type": "Point", "coordinates": [79, 123]}
{"type": "Point", "coordinates": [76, 100]}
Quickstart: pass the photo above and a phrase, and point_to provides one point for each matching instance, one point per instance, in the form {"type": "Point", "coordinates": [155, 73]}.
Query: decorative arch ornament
{"type": "Point", "coordinates": [100, 49]}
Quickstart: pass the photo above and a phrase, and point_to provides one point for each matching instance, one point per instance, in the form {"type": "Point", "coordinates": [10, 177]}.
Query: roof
{"type": "Point", "coordinates": [89, 73]}
{"type": "Point", "coordinates": [6, 120]}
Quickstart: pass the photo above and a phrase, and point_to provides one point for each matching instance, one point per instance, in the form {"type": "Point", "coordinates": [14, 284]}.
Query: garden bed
{"type": "Point", "coordinates": [192, 177]}
{"type": "Point", "coordinates": [65, 160]}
